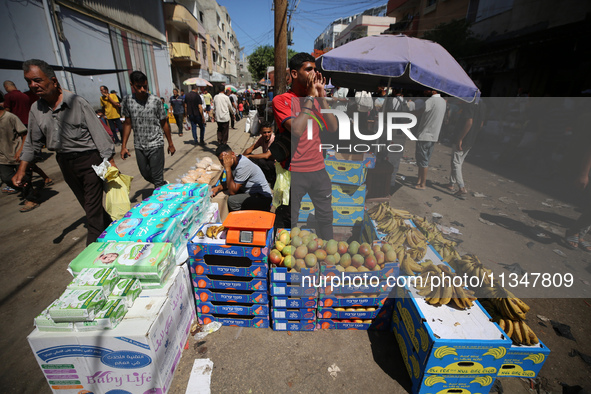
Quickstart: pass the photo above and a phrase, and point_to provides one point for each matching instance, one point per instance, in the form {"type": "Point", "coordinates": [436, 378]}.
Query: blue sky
{"type": "Point", "coordinates": [253, 21]}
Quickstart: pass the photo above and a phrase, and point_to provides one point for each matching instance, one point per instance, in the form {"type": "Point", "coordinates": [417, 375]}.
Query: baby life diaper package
{"type": "Point", "coordinates": [45, 323]}
{"type": "Point", "coordinates": [127, 290]}
{"type": "Point", "coordinates": [105, 319]}
{"type": "Point", "coordinates": [184, 189]}
{"type": "Point", "coordinates": [104, 279]}
{"type": "Point", "coordinates": [149, 229]}
{"type": "Point", "coordinates": [77, 305]}
{"type": "Point", "coordinates": [148, 262]}
{"type": "Point", "coordinates": [161, 205]}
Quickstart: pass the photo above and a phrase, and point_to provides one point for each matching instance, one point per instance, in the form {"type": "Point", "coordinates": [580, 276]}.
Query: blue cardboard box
{"type": "Point", "coordinates": [282, 275]}
{"type": "Point", "coordinates": [244, 321]}
{"type": "Point", "coordinates": [224, 308]}
{"type": "Point", "coordinates": [198, 247]}
{"type": "Point", "coordinates": [350, 168]}
{"type": "Point", "coordinates": [278, 289]}
{"type": "Point", "coordinates": [293, 314]}
{"type": "Point", "coordinates": [331, 313]}
{"type": "Point", "coordinates": [230, 283]}
{"type": "Point", "coordinates": [294, 325]}
{"type": "Point", "coordinates": [389, 270]}
{"type": "Point", "coordinates": [363, 300]}
{"type": "Point", "coordinates": [451, 341]}
{"type": "Point", "coordinates": [256, 269]}
{"type": "Point", "coordinates": [343, 215]}
{"type": "Point", "coordinates": [294, 303]}
{"type": "Point", "coordinates": [248, 296]}
{"type": "Point", "coordinates": [330, 324]}
{"type": "Point", "coordinates": [355, 288]}
{"type": "Point", "coordinates": [423, 383]}
{"type": "Point", "coordinates": [306, 208]}
{"type": "Point", "coordinates": [345, 195]}
{"type": "Point", "coordinates": [524, 361]}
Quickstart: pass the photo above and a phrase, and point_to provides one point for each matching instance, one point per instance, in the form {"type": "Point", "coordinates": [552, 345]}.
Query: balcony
{"type": "Point", "coordinates": [179, 16]}
{"type": "Point", "coordinates": [183, 54]}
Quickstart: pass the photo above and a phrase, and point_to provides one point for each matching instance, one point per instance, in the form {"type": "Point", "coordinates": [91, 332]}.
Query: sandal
{"type": "Point", "coordinates": [585, 245]}
{"type": "Point", "coordinates": [572, 241]}
{"type": "Point", "coordinates": [460, 193]}
{"type": "Point", "coordinates": [30, 207]}
{"type": "Point", "coordinates": [50, 183]}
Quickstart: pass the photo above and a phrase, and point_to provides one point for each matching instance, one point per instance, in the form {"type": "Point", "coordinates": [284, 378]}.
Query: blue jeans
{"type": "Point", "coordinates": [197, 120]}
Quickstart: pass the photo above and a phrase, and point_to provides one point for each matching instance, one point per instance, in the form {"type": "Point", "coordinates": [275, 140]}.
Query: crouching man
{"type": "Point", "coordinates": [245, 182]}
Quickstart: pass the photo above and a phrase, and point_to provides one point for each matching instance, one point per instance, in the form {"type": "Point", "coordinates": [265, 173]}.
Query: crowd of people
{"type": "Point", "coordinates": [49, 116]}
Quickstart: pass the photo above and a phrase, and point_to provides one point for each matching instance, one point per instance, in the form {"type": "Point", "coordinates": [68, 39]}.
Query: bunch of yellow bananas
{"type": "Point", "coordinates": [445, 292]}
{"type": "Point", "coordinates": [519, 332]}
{"type": "Point", "coordinates": [470, 264]}
{"type": "Point", "coordinates": [214, 231]}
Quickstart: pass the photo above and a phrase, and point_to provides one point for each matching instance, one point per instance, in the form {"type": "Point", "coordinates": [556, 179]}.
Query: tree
{"type": "Point", "coordinates": [261, 58]}
{"type": "Point", "coordinates": [455, 36]}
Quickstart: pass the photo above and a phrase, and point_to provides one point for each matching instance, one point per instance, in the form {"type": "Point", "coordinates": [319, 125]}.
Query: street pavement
{"type": "Point", "coordinates": [37, 247]}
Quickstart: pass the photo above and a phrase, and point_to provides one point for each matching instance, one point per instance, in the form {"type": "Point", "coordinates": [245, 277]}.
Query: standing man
{"type": "Point", "coordinates": [20, 104]}
{"type": "Point", "coordinates": [111, 106]}
{"type": "Point", "coordinates": [194, 109]}
{"type": "Point", "coordinates": [178, 110]}
{"type": "Point", "coordinates": [429, 128]}
{"type": "Point", "coordinates": [308, 173]}
{"type": "Point", "coordinates": [68, 125]}
{"type": "Point", "coordinates": [223, 108]}
{"type": "Point", "coordinates": [472, 119]}
{"type": "Point", "coordinates": [234, 108]}
{"type": "Point", "coordinates": [12, 138]}
{"type": "Point", "coordinates": [145, 113]}
{"type": "Point", "coordinates": [207, 100]}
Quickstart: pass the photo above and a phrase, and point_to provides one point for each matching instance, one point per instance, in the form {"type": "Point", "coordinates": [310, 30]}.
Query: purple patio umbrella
{"type": "Point", "coordinates": [389, 60]}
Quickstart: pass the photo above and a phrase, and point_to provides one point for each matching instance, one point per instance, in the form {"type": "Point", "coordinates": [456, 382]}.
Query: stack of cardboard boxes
{"type": "Point", "coordinates": [348, 173]}
{"type": "Point", "coordinates": [230, 281]}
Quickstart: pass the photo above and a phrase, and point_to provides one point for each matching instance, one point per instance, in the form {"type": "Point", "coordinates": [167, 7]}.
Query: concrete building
{"type": "Point", "coordinates": [415, 17]}
{"type": "Point", "coordinates": [245, 79]}
{"type": "Point", "coordinates": [327, 39]}
{"type": "Point", "coordinates": [363, 26]}
{"type": "Point", "coordinates": [187, 42]}
{"type": "Point", "coordinates": [90, 34]}
{"type": "Point", "coordinates": [221, 41]}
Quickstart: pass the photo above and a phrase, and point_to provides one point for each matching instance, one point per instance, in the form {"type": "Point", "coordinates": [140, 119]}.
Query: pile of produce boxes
{"type": "Point", "coordinates": [230, 281]}
{"type": "Point", "coordinates": [347, 173]}
{"type": "Point", "coordinates": [291, 279]}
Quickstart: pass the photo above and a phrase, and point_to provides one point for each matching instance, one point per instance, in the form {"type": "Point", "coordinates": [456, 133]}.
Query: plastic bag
{"type": "Point", "coordinates": [282, 186]}
{"type": "Point", "coordinates": [101, 169]}
{"type": "Point", "coordinates": [255, 123]}
{"type": "Point", "coordinates": [187, 125]}
{"type": "Point", "coordinates": [117, 187]}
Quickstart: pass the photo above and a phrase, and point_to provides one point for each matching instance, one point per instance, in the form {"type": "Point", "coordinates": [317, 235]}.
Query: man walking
{"type": "Point", "coordinates": [472, 119]}
{"type": "Point", "coordinates": [68, 125]}
{"type": "Point", "coordinates": [223, 109]}
{"type": "Point", "coordinates": [145, 113]}
{"type": "Point", "coordinates": [429, 128]}
{"type": "Point", "coordinates": [194, 107]}
{"type": "Point", "coordinates": [234, 109]}
{"type": "Point", "coordinates": [207, 100]}
{"type": "Point", "coordinates": [111, 106]}
{"type": "Point", "coordinates": [20, 104]}
{"type": "Point", "coordinates": [308, 173]}
{"type": "Point", "coordinates": [178, 110]}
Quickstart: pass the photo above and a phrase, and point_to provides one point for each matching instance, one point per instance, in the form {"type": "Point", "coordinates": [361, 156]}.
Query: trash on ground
{"type": "Point", "coordinates": [514, 268]}
{"type": "Point", "coordinates": [456, 223]}
{"type": "Point", "coordinates": [530, 245]}
{"type": "Point", "coordinates": [437, 198]}
{"type": "Point", "coordinates": [200, 377]}
{"type": "Point", "coordinates": [333, 370]}
{"type": "Point", "coordinates": [543, 318]}
{"type": "Point", "coordinates": [448, 230]}
{"type": "Point", "coordinates": [481, 220]}
{"type": "Point", "coordinates": [478, 195]}
{"type": "Point", "coordinates": [497, 387]}
{"type": "Point", "coordinates": [547, 205]}
{"type": "Point", "coordinates": [562, 330]}
{"type": "Point", "coordinates": [207, 329]}
{"type": "Point", "coordinates": [507, 200]}
{"type": "Point", "coordinates": [559, 252]}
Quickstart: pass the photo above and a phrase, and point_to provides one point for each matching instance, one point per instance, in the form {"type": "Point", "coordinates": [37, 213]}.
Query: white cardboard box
{"type": "Point", "coordinates": [139, 356]}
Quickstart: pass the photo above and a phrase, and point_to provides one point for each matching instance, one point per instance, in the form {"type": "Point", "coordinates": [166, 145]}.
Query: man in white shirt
{"type": "Point", "coordinates": [429, 128]}
{"type": "Point", "coordinates": [223, 108]}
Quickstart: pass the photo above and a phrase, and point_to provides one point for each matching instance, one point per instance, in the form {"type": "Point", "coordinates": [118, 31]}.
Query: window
{"type": "Point", "coordinates": [201, 16]}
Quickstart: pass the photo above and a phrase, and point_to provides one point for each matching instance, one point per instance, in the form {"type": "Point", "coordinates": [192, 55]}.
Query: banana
{"type": "Point", "coordinates": [502, 324]}
{"type": "Point", "coordinates": [522, 305]}
{"type": "Point", "coordinates": [200, 234]}
{"type": "Point", "coordinates": [405, 267]}
{"type": "Point", "coordinates": [525, 333]}
{"type": "Point", "coordinates": [509, 330]}
{"type": "Point", "coordinates": [446, 295]}
{"type": "Point", "coordinates": [217, 231]}
{"type": "Point", "coordinates": [209, 232]}
{"type": "Point", "coordinates": [517, 335]}
{"type": "Point", "coordinates": [434, 297]}
{"type": "Point", "coordinates": [515, 308]}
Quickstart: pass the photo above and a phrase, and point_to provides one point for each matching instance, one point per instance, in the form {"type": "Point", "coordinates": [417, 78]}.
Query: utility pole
{"type": "Point", "coordinates": [280, 46]}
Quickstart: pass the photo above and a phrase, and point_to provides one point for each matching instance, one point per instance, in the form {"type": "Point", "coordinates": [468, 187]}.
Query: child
{"type": "Point", "coordinates": [240, 109]}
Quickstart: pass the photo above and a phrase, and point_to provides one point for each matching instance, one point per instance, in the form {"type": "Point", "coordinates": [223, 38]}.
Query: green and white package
{"type": "Point", "coordinates": [77, 305]}
{"type": "Point", "coordinates": [147, 262]}
{"type": "Point", "coordinates": [105, 319]}
{"type": "Point", "coordinates": [98, 278]}
{"type": "Point", "coordinates": [45, 323]}
{"type": "Point", "coordinates": [127, 290]}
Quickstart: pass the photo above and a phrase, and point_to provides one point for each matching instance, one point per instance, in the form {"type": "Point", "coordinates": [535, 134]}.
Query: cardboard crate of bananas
{"type": "Point", "coordinates": [527, 353]}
